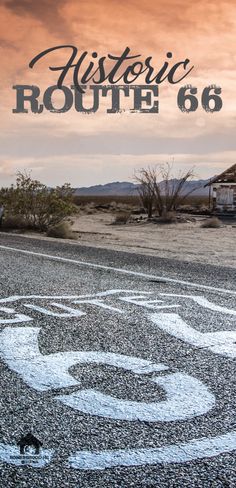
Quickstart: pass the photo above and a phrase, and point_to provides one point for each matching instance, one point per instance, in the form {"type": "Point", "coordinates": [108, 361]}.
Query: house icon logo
{"type": "Point", "coordinates": [29, 440]}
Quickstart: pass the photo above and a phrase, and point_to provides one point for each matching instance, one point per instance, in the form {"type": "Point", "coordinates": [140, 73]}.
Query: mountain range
{"type": "Point", "coordinates": [124, 188]}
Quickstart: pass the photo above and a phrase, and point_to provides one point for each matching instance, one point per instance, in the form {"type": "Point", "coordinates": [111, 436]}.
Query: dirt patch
{"type": "Point", "coordinates": [185, 241]}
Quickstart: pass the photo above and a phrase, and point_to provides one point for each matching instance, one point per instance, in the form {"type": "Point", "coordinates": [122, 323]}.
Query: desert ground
{"type": "Point", "coordinates": [186, 241]}
{"type": "Point", "coordinates": [96, 223]}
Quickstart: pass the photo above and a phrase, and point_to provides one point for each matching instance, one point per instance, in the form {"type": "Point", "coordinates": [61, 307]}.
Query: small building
{"type": "Point", "coordinates": [223, 191]}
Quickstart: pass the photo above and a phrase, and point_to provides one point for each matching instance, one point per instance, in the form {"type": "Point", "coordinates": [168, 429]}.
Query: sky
{"type": "Point", "coordinates": [93, 149]}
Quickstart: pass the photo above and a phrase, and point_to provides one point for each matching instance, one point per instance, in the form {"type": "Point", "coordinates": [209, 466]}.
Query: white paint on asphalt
{"type": "Point", "coordinates": [15, 298]}
{"type": "Point", "coordinates": [175, 453]}
{"type": "Point", "coordinates": [141, 301]}
{"type": "Point", "coordinates": [69, 312]}
{"type": "Point", "coordinates": [18, 317]}
{"type": "Point", "coordinates": [11, 454]}
{"type": "Point", "coordinates": [186, 396]}
{"type": "Point", "coordinates": [203, 302]}
{"type": "Point", "coordinates": [182, 401]}
{"type": "Point", "coordinates": [118, 270]}
{"type": "Point", "coordinates": [20, 350]}
{"type": "Point", "coordinates": [221, 342]}
{"type": "Point", "coordinates": [98, 303]}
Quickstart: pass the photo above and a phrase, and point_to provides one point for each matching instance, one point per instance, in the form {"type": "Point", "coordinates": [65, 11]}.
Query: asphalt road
{"type": "Point", "coordinates": [121, 365]}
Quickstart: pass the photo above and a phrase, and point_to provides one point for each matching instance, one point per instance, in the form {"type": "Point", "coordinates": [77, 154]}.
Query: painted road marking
{"type": "Point", "coordinates": [68, 311]}
{"type": "Point", "coordinates": [15, 298]}
{"type": "Point", "coordinates": [186, 397]}
{"type": "Point", "coordinates": [175, 453]}
{"type": "Point", "coordinates": [19, 317]}
{"type": "Point", "coordinates": [203, 302]}
{"type": "Point", "coordinates": [141, 301]}
{"type": "Point", "coordinates": [182, 401]}
{"type": "Point", "coordinates": [19, 349]}
{"type": "Point", "coordinates": [98, 303]}
{"type": "Point", "coordinates": [221, 342]}
{"type": "Point", "coordinates": [118, 270]}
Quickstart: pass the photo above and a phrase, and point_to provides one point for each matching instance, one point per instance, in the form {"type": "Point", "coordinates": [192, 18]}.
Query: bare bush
{"type": "Point", "coordinates": [212, 223]}
{"type": "Point", "coordinates": [146, 190]}
{"type": "Point", "coordinates": [160, 190]}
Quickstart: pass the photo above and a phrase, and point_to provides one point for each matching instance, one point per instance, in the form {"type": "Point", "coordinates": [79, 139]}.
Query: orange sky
{"type": "Point", "coordinates": [86, 150]}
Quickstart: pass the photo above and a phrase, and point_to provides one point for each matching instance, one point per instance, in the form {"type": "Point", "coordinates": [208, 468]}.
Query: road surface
{"type": "Point", "coordinates": [121, 365]}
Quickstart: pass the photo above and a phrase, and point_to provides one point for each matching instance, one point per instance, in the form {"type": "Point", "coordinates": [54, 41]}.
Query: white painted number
{"type": "Point", "coordinates": [19, 348]}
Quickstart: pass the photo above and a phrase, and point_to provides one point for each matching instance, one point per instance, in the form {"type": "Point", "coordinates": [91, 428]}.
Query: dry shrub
{"type": "Point", "coordinates": [14, 222]}
{"type": "Point", "coordinates": [62, 230]}
{"type": "Point", "coordinates": [212, 223]}
{"type": "Point", "coordinates": [37, 206]}
{"type": "Point", "coordinates": [159, 189]}
{"type": "Point", "coordinates": [168, 218]}
{"type": "Point", "coordinates": [121, 218]}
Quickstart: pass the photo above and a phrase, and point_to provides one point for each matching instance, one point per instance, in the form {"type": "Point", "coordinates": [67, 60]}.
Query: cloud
{"type": "Point", "coordinates": [203, 31]}
{"type": "Point", "coordinates": [48, 13]}
{"type": "Point", "coordinates": [90, 169]}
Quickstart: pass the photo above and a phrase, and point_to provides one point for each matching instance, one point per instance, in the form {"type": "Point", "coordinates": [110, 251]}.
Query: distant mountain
{"type": "Point", "coordinates": [116, 188]}
{"type": "Point", "coordinates": [125, 188]}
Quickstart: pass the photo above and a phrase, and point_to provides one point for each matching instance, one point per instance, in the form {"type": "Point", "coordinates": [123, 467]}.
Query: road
{"type": "Point", "coordinates": [121, 365]}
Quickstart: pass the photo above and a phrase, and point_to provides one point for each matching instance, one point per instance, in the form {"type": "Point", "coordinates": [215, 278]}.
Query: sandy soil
{"type": "Point", "coordinates": [182, 241]}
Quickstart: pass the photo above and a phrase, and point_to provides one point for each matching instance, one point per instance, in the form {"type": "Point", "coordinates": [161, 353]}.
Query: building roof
{"type": "Point", "coordinates": [228, 176]}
